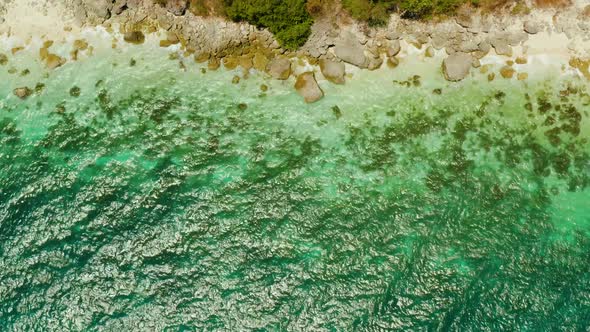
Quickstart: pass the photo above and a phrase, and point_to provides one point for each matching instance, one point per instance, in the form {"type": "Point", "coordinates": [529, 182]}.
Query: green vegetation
{"type": "Point", "coordinates": [376, 12]}
{"type": "Point", "coordinates": [288, 20]}
{"type": "Point", "coordinates": [207, 7]}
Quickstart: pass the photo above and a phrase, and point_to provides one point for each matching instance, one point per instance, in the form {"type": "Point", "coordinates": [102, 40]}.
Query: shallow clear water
{"type": "Point", "coordinates": [155, 200]}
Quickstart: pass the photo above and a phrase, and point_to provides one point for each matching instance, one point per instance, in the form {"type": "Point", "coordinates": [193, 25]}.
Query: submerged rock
{"type": "Point", "coordinates": [308, 87]}
{"type": "Point", "coordinates": [134, 37]}
{"type": "Point", "coordinates": [22, 92]}
{"type": "Point", "coordinates": [375, 63]}
{"type": "Point", "coordinates": [333, 71]}
{"type": "Point", "coordinates": [507, 72]}
{"type": "Point", "coordinates": [75, 91]}
{"type": "Point", "coordinates": [260, 61]}
{"type": "Point", "coordinates": [53, 61]}
{"type": "Point", "coordinates": [213, 64]}
{"type": "Point", "coordinates": [457, 66]}
{"type": "Point", "coordinates": [3, 59]}
{"type": "Point", "coordinates": [279, 68]}
{"type": "Point", "coordinates": [202, 57]}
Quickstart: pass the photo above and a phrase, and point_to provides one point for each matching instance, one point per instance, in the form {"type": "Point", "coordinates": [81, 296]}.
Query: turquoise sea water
{"type": "Point", "coordinates": [167, 199]}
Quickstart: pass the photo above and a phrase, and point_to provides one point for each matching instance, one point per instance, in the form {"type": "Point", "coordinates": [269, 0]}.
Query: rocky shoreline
{"type": "Point", "coordinates": [336, 43]}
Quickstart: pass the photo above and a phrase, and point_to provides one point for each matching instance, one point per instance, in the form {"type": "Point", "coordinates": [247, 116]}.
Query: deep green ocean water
{"type": "Point", "coordinates": [164, 199]}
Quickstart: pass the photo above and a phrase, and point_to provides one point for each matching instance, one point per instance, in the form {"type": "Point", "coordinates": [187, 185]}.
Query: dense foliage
{"type": "Point", "coordinates": [288, 20]}
{"type": "Point", "coordinates": [376, 12]}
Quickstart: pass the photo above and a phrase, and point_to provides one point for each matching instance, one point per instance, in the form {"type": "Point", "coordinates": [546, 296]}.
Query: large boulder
{"type": "Point", "coordinates": [333, 71]}
{"type": "Point", "coordinates": [349, 49]}
{"type": "Point", "coordinates": [279, 68]}
{"type": "Point", "coordinates": [394, 48]}
{"type": "Point", "coordinates": [308, 87]}
{"type": "Point", "coordinates": [531, 27]}
{"type": "Point", "coordinates": [457, 66]}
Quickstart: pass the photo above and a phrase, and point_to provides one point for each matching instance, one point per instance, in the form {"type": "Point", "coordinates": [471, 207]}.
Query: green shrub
{"type": "Point", "coordinates": [375, 12]}
{"type": "Point", "coordinates": [288, 20]}
{"type": "Point", "coordinates": [427, 8]}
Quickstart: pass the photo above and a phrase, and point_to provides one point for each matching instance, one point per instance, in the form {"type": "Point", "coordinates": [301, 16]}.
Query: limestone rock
{"type": "Point", "coordinates": [531, 27]}
{"type": "Point", "coordinates": [350, 50]}
{"type": "Point", "coordinates": [333, 71]}
{"type": "Point", "coordinates": [279, 68]}
{"type": "Point", "coordinates": [394, 48]}
{"type": "Point", "coordinates": [503, 49]}
{"type": "Point", "coordinates": [308, 87]}
{"type": "Point", "coordinates": [392, 35]}
{"type": "Point", "coordinates": [457, 66]}
{"type": "Point", "coordinates": [22, 92]}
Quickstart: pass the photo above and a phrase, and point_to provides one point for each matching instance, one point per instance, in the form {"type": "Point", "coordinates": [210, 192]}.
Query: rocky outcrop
{"type": "Point", "coordinates": [308, 87]}
{"type": "Point", "coordinates": [333, 71]}
{"type": "Point", "coordinates": [457, 66]}
{"type": "Point", "coordinates": [279, 68]}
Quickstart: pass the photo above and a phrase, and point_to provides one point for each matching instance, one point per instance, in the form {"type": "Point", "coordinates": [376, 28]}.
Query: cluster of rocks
{"type": "Point", "coordinates": [465, 39]}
